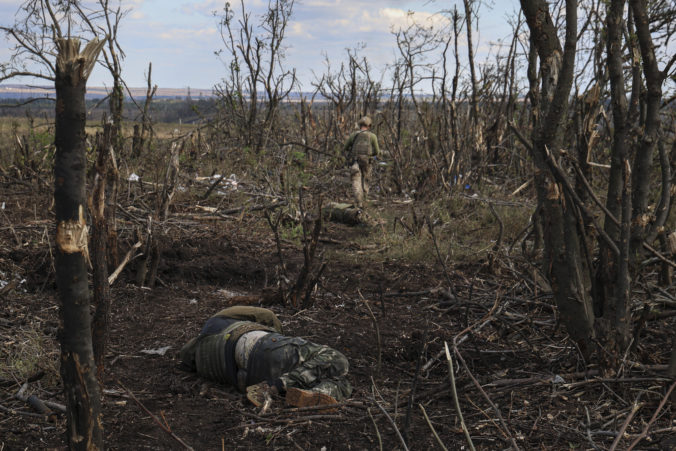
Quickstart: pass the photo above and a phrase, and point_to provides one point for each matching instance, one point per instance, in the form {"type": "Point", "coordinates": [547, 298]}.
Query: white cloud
{"type": "Point", "coordinates": [387, 19]}
{"type": "Point", "coordinates": [206, 7]}
{"type": "Point", "coordinates": [137, 15]}
{"type": "Point", "coordinates": [182, 34]}
{"type": "Point", "coordinates": [350, 21]}
{"type": "Point", "coordinates": [298, 29]}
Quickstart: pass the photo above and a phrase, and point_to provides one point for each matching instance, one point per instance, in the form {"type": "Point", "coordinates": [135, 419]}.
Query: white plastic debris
{"type": "Point", "coordinates": [229, 183]}
{"type": "Point", "coordinates": [193, 301]}
{"type": "Point", "coordinates": [133, 177]}
{"type": "Point", "coordinates": [232, 182]}
{"type": "Point", "coordinates": [228, 293]}
{"type": "Point", "coordinates": [157, 351]}
{"type": "Point", "coordinates": [3, 206]}
{"type": "Point", "coordinates": [558, 380]}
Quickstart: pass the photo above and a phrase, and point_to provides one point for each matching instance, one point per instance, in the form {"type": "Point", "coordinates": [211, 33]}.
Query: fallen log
{"type": "Point", "coordinates": [268, 296]}
{"type": "Point", "coordinates": [37, 404]}
{"type": "Point", "coordinates": [344, 213]}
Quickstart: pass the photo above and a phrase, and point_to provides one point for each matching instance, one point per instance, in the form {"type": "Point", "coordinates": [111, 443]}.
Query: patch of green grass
{"type": "Point", "coordinates": [465, 230]}
{"type": "Point", "coordinates": [28, 353]}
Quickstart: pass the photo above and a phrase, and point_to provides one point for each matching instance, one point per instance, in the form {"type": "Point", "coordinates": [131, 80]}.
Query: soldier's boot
{"type": "Point", "coordinates": [307, 398]}
{"type": "Point", "coordinates": [260, 394]}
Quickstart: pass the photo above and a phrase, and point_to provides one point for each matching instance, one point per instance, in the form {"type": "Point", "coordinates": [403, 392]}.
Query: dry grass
{"type": "Point", "coordinates": [28, 352]}
{"type": "Point", "coordinates": [464, 227]}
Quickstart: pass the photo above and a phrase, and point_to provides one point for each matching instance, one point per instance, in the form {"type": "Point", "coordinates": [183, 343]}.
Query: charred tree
{"type": "Point", "coordinates": [105, 164]}
{"type": "Point", "coordinates": [566, 258]}
{"type": "Point", "coordinates": [85, 428]}
{"type": "Point", "coordinates": [594, 298]}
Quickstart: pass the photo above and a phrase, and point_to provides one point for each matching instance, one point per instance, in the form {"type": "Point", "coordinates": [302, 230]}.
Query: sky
{"type": "Point", "coordinates": [181, 37]}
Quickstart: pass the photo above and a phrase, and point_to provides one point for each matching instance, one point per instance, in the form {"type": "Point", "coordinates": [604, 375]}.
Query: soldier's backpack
{"type": "Point", "coordinates": [361, 146]}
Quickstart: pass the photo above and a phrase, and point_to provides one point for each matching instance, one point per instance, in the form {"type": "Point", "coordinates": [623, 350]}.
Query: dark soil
{"type": "Point", "coordinates": [536, 392]}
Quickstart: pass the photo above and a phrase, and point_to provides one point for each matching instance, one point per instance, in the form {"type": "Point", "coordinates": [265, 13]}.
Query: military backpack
{"type": "Point", "coordinates": [361, 146]}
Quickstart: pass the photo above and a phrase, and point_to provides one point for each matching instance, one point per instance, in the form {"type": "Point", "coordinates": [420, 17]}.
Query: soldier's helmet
{"type": "Point", "coordinates": [364, 121]}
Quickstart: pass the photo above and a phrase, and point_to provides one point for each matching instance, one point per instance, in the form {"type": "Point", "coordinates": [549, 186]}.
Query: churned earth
{"type": "Point", "coordinates": [520, 382]}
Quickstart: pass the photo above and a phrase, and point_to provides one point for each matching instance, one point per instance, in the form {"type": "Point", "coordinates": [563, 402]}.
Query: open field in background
{"type": "Point", "coordinates": [22, 125]}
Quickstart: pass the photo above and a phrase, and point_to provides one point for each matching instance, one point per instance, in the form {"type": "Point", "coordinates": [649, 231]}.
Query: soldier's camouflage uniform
{"type": "Point", "coordinates": [279, 360]}
{"type": "Point", "coordinates": [360, 148]}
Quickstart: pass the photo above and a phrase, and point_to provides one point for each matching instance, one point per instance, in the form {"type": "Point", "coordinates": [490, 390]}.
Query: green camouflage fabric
{"type": "Point", "coordinates": [361, 143]}
{"type": "Point", "coordinates": [294, 361]}
{"type": "Point", "coordinates": [302, 364]}
{"type": "Point", "coordinates": [254, 314]}
{"type": "Point", "coordinates": [359, 149]}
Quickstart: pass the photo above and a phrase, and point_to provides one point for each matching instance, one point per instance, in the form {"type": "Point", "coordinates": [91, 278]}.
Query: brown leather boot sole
{"type": "Point", "coordinates": [258, 394]}
{"type": "Point", "coordinates": [308, 398]}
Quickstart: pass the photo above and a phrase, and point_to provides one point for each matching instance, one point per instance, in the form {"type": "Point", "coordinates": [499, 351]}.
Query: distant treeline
{"type": "Point", "coordinates": [185, 110]}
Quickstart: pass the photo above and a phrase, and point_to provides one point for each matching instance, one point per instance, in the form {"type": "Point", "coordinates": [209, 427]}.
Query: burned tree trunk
{"type": "Point", "coordinates": [85, 428]}
{"type": "Point", "coordinates": [566, 258]}
{"type": "Point", "coordinates": [100, 242]}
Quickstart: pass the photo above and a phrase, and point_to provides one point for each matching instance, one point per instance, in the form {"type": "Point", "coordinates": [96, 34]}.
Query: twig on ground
{"type": "Point", "coordinates": [213, 186]}
{"type": "Point", "coordinates": [268, 417]}
{"type": "Point", "coordinates": [375, 325]}
{"type": "Point", "coordinates": [380, 440]}
{"type": "Point", "coordinates": [429, 423]}
{"type": "Point", "coordinates": [589, 434]}
{"type": "Point", "coordinates": [430, 227]}
{"type": "Point", "coordinates": [456, 402]}
{"type": "Point", "coordinates": [265, 207]}
{"type": "Point", "coordinates": [457, 341]}
{"type": "Point", "coordinates": [414, 385]}
{"type": "Point", "coordinates": [356, 404]}
{"type": "Point", "coordinates": [635, 408]}
{"type": "Point", "coordinates": [155, 419]}
{"type": "Point", "coordinates": [644, 432]}
{"type": "Point", "coordinates": [389, 418]}
{"type": "Point", "coordinates": [21, 412]}
{"type": "Point", "coordinates": [486, 319]}
{"type": "Point", "coordinates": [658, 254]}
{"type": "Point", "coordinates": [120, 267]}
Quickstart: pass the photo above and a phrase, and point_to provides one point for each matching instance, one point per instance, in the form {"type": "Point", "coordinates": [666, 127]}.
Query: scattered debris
{"type": "Point", "coordinates": [157, 351]}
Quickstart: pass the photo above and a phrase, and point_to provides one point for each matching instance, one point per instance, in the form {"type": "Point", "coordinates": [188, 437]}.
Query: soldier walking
{"type": "Point", "coordinates": [360, 149]}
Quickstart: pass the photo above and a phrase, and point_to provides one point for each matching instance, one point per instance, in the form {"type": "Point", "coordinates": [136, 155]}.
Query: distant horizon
{"type": "Point", "coordinates": [14, 90]}
{"type": "Point", "coordinates": [181, 38]}
{"type": "Point", "coordinates": [29, 86]}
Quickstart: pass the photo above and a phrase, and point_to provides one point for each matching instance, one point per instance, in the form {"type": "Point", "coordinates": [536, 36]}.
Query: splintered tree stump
{"type": "Point", "coordinates": [671, 243]}
{"type": "Point", "coordinates": [82, 391]}
{"type": "Point", "coordinates": [344, 214]}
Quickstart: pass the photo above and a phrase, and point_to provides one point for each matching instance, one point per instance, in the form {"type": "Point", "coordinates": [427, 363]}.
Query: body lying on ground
{"type": "Point", "coordinates": [243, 346]}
